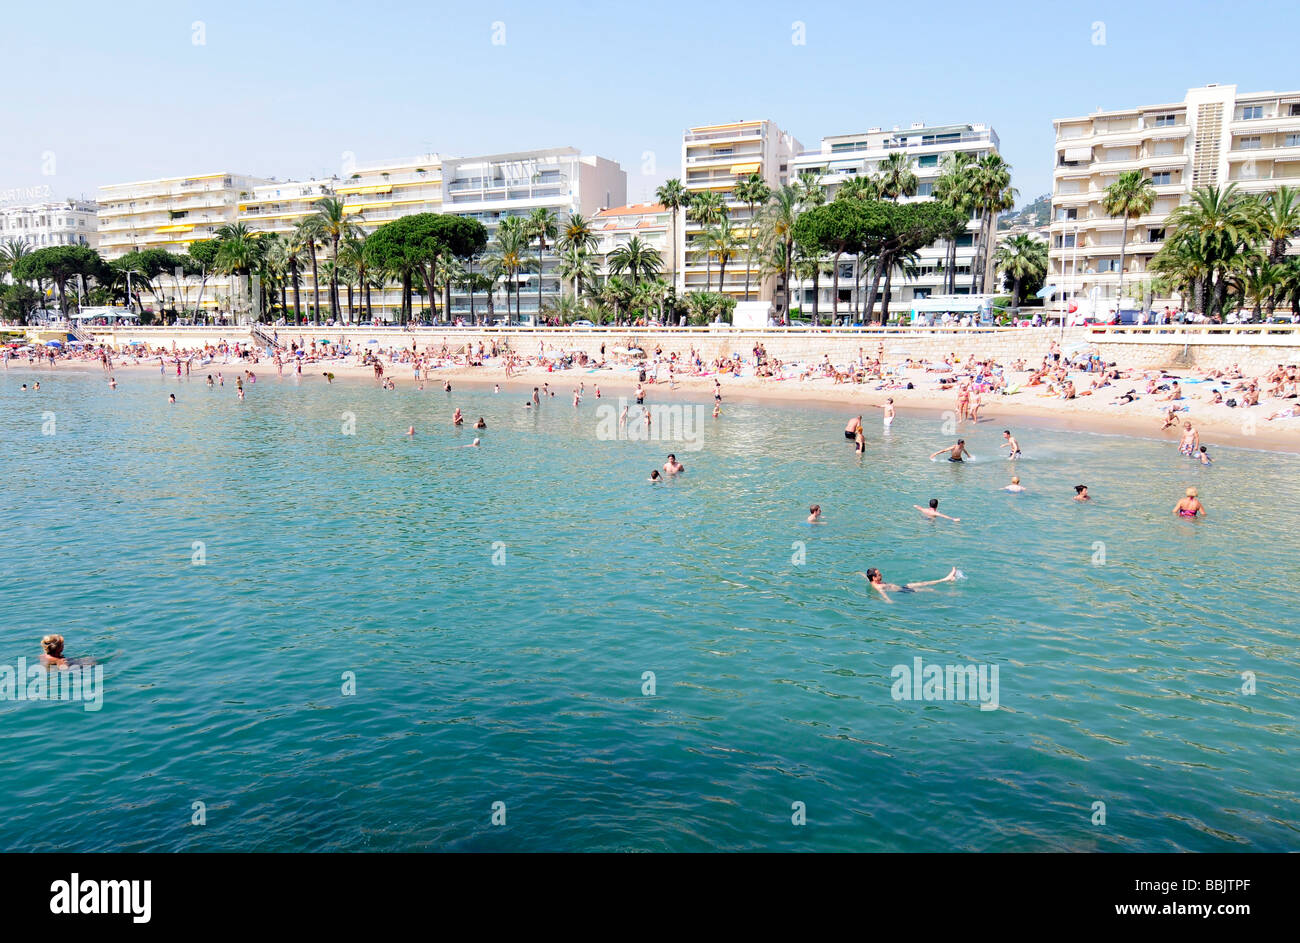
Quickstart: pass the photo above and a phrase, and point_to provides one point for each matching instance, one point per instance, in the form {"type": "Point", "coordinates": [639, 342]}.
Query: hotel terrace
{"type": "Point", "coordinates": [1215, 136]}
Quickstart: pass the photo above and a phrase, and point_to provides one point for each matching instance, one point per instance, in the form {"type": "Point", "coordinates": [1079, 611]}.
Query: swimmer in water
{"type": "Point", "coordinates": [1081, 493]}
{"type": "Point", "coordinates": [498, 388]}
{"type": "Point", "coordinates": [1190, 440]}
{"type": "Point", "coordinates": [446, 386]}
{"type": "Point", "coordinates": [411, 431]}
{"type": "Point", "coordinates": [1204, 457]}
{"type": "Point", "coordinates": [889, 412]}
{"type": "Point", "coordinates": [329, 377]}
{"type": "Point", "coordinates": [717, 411]}
{"type": "Point", "coordinates": [877, 581]}
{"type": "Point", "coordinates": [1015, 485]}
{"type": "Point", "coordinates": [655, 477]}
{"type": "Point", "coordinates": [955, 452]}
{"type": "Point", "coordinates": [672, 466]}
{"type": "Point", "coordinates": [171, 397]}
{"type": "Point", "coordinates": [1009, 441]}
{"type": "Point", "coordinates": [457, 419]}
{"type": "Point", "coordinates": [52, 652]}
{"type": "Point", "coordinates": [933, 511]}
{"type": "Point", "coordinates": [1190, 506]}
{"type": "Point", "coordinates": [112, 383]}
{"type": "Point", "coordinates": [851, 430]}
{"type": "Point", "coordinates": [480, 424]}
{"type": "Point", "coordinates": [815, 514]}
{"type": "Point", "coordinates": [472, 445]}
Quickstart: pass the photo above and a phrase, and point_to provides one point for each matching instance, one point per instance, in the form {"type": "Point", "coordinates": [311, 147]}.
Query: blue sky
{"type": "Point", "coordinates": [107, 93]}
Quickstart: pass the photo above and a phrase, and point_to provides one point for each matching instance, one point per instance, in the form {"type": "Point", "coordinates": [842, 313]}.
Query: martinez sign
{"type": "Point", "coordinates": [27, 194]}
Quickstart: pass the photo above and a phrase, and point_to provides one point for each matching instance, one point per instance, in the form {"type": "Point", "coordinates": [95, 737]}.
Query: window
{"type": "Point", "coordinates": [1251, 143]}
{"type": "Point", "coordinates": [928, 160]}
{"type": "Point", "coordinates": [1162, 178]}
{"type": "Point", "coordinates": [1164, 121]}
{"type": "Point", "coordinates": [966, 240]}
{"type": "Point", "coordinates": [1293, 109]}
{"type": "Point", "coordinates": [1064, 214]}
{"type": "Point", "coordinates": [1107, 265]}
{"type": "Point", "coordinates": [1155, 235]}
{"type": "Point", "coordinates": [1250, 112]}
{"type": "Point", "coordinates": [1293, 140]}
{"type": "Point", "coordinates": [1165, 148]}
{"type": "Point", "coordinates": [1064, 242]}
{"type": "Point", "coordinates": [925, 189]}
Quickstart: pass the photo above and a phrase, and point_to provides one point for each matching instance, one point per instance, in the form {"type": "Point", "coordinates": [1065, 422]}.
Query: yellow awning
{"type": "Point", "coordinates": [386, 188]}
{"type": "Point", "coordinates": [175, 228]}
{"type": "Point", "coordinates": [751, 168]}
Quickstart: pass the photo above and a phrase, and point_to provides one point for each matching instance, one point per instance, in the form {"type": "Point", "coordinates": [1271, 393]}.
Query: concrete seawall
{"type": "Point", "coordinates": [1176, 348]}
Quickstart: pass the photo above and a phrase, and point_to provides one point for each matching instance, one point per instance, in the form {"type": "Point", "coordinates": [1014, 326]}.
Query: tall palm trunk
{"type": "Point", "coordinates": [749, 250]}
{"type": "Point", "coordinates": [334, 278]}
{"type": "Point", "coordinates": [315, 285]}
{"type": "Point", "coordinates": [1123, 245]}
{"type": "Point", "coordinates": [873, 288]}
{"type": "Point", "coordinates": [722, 271]}
{"type": "Point", "coordinates": [297, 299]}
{"type": "Point", "coordinates": [817, 271]}
{"type": "Point", "coordinates": [541, 247]}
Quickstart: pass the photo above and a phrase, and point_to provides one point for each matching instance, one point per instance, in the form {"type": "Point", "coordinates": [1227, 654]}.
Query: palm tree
{"type": "Point", "coordinates": [308, 234]}
{"type": "Point", "coordinates": [1279, 220]}
{"type": "Point", "coordinates": [636, 260]}
{"type": "Point", "coordinates": [239, 250]}
{"type": "Point", "coordinates": [753, 191]}
{"type": "Point", "coordinates": [577, 266]}
{"type": "Point", "coordinates": [674, 197]}
{"type": "Point", "coordinates": [955, 189]}
{"type": "Point", "coordinates": [576, 242]}
{"type": "Point", "coordinates": [509, 255]}
{"type": "Point", "coordinates": [778, 219]}
{"type": "Point", "coordinates": [1208, 233]}
{"type": "Point", "coordinates": [811, 191]}
{"type": "Point", "coordinates": [896, 177]}
{"type": "Point", "coordinates": [11, 250]}
{"type": "Point", "coordinates": [1130, 196]}
{"type": "Point", "coordinates": [352, 255]}
{"type": "Point", "coordinates": [721, 240]}
{"type": "Point", "coordinates": [991, 194]}
{"type": "Point", "coordinates": [706, 208]}
{"type": "Point", "coordinates": [1021, 258]}
{"type": "Point", "coordinates": [542, 225]}
{"type": "Point", "coordinates": [809, 268]}
{"type": "Point", "coordinates": [616, 293]}
{"type": "Point", "coordinates": [333, 225]}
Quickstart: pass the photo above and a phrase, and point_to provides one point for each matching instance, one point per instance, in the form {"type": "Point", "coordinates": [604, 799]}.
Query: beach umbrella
{"type": "Point", "coordinates": [54, 343]}
{"type": "Point", "coordinates": [373, 341]}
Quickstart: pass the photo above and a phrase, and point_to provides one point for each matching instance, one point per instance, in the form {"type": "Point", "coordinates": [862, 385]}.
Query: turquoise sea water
{"type": "Point", "coordinates": [522, 683]}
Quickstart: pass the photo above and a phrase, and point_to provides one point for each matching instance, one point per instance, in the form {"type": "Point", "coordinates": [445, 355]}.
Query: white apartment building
{"type": "Point", "coordinates": [169, 213]}
{"type": "Point", "coordinates": [845, 156]}
{"type": "Point", "coordinates": [716, 157]}
{"type": "Point", "coordinates": [493, 187]}
{"type": "Point", "coordinates": [51, 223]}
{"type": "Point", "coordinates": [1215, 136]}
{"type": "Point", "coordinates": [619, 225]}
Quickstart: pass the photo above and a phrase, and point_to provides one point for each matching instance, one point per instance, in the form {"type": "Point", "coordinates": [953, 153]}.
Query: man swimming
{"type": "Point", "coordinates": [1015, 485]}
{"type": "Point", "coordinates": [815, 514]}
{"type": "Point", "coordinates": [1009, 441]}
{"type": "Point", "coordinates": [672, 466]}
{"type": "Point", "coordinates": [933, 511]}
{"type": "Point", "coordinates": [851, 430]}
{"type": "Point", "coordinates": [955, 452]}
{"type": "Point", "coordinates": [52, 652]}
{"type": "Point", "coordinates": [1081, 493]}
{"type": "Point", "coordinates": [877, 581]}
